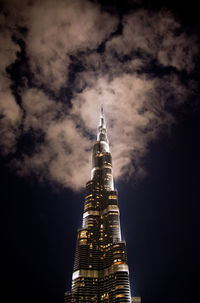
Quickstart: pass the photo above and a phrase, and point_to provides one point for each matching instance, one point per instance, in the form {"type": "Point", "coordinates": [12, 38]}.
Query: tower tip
{"type": "Point", "coordinates": [102, 123]}
{"type": "Point", "coordinates": [101, 110]}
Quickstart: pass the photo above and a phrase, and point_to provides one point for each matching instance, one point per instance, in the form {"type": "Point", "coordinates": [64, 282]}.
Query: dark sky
{"type": "Point", "coordinates": [159, 213]}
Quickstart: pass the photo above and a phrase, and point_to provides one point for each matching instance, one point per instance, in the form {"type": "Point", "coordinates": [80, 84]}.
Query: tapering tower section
{"type": "Point", "coordinates": [100, 269]}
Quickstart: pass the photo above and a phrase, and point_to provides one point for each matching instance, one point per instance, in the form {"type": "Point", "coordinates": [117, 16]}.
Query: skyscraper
{"type": "Point", "coordinates": [101, 272]}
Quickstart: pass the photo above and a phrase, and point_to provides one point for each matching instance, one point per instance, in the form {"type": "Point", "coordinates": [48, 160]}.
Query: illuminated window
{"type": "Point", "coordinates": [119, 262]}
{"type": "Point", "coordinates": [83, 241]}
{"type": "Point", "coordinates": [112, 197]}
{"type": "Point", "coordinates": [90, 195]}
{"type": "Point", "coordinates": [88, 205]}
{"type": "Point", "coordinates": [113, 213]}
{"type": "Point", "coordinates": [119, 296]}
{"type": "Point", "coordinates": [80, 284]}
{"type": "Point", "coordinates": [99, 154]}
{"type": "Point", "coordinates": [83, 234]}
{"type": "Point", "coordinates": [105, 296]}
{"type": "Point", "coordinates": [119, 286]}
{"type": "Point", "coordinates": [114, 226]}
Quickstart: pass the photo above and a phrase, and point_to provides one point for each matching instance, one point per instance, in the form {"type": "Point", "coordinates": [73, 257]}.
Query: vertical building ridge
{"type": "Point", "coordinates": [101, 271]}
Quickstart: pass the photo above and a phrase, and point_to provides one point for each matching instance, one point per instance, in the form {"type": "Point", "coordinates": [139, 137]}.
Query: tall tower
{"type": "Point", "coordinates": [101, 272]}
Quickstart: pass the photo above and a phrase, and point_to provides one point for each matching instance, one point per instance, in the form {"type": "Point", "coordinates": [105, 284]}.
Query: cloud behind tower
{"type": "Point", "coordinates": [139, 66]}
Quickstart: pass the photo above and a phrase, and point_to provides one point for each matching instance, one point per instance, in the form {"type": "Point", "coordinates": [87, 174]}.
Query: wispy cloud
{"type": "Point", "coordinates": [10, 113]}
{"type": "Point", "coordinates": [158, 35]}
{"type": "Point", "coordinates": [78, 39]}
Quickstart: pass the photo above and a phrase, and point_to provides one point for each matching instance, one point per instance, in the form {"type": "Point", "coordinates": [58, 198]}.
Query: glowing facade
{"type": "Point", "coordinates": [100, 270]}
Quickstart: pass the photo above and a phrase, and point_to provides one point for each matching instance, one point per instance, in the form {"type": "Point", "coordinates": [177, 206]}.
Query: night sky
{"type": "Point", "coordinates": [159, 209]}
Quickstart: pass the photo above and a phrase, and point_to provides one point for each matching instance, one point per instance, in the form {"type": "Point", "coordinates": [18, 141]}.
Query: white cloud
{"type": "Point", "coordinates": [63, 157]}
{"type": "Point", "coordinates": [9, 123]}
{"type": "Point", "coordinates": [10, 113]}
{"type": "Point", "coordinates": [135, 116]}
{"type": "Point", "coordinates": [40, 110]}
{"type": "Point", "coordinates": [159, 35]}
{"type": "Point", "coordinates": [60, 29]}
{"type": "Point", "coordinates": [136, 103]}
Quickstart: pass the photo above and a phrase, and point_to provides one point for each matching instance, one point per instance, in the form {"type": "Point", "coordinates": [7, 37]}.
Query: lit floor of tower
{"type": "Point", "coordinates": [101, 272]}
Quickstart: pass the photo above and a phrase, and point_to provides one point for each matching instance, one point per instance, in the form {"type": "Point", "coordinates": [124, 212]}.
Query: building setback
{"type": "Point", "coordinates": [100, 272]}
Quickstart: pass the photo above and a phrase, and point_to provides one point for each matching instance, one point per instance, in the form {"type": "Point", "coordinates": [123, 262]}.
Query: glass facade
{"type": "Point", "coordinates": [100, 272]}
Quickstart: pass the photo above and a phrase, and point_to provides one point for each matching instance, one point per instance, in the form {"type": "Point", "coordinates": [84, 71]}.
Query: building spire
{"type": "Point", "coordinates": [102, 110]}
{"type": "Point", "coordinates": [101, 133]}
{"type": "Point", "coordinates": [102, 119]}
